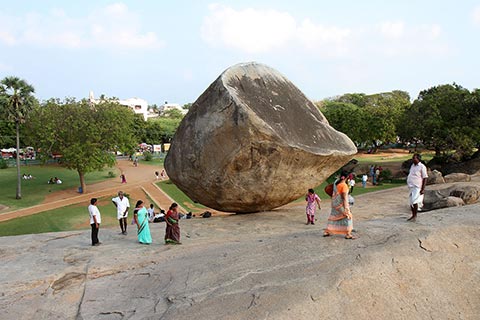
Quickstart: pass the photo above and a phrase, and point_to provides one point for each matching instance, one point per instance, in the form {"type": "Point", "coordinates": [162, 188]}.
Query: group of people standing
{"type": "Point", "coordinates": [340, 219]}
{"type": "Point", "coordinates": [375, 172]}
{"type": "Point", "coordinates": [141, 218]}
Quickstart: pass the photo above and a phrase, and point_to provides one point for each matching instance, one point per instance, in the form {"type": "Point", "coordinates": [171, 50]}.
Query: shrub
{"type": "Point", "coordinates": [386, 174]}
{"type": "Point", "coordinates": [111, 174]}
{"type": "Point", "coordinates": [147, 156]}
{"type": "Point", "coordinates": [3, 164]}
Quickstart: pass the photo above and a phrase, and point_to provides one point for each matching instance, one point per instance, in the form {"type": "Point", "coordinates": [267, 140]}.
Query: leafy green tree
{"type": "Point", "coordinates": [367, 119]}
{"type": "Point", "coordinates": [173, 114]}
{"type": "Point", "coordinates": [446, 118]}
{"type": "Point", "coordinates": [139, 127]}
{"type": "Point", "coordinates": [7, 132]}
{"type": "Point", "coordinates": [85, 135]}
{"type": "Point", "coordinates": [16, 98]}
{"type": "Point", "coordinates": [168, 127]}
{"type": "Point", "coordinates": [153, 131]}
{"type": "Point", "coordinates": [346, 118]}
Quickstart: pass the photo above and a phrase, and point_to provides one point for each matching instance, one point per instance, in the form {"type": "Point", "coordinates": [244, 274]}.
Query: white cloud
{"type": "Point", "coordinates": [265, 31]}
{"type": "Point", "coordinates": [258, 31]}
{"type": "Point", "coordinates": [476, 16]}
{"type": "Point", "coordinates": [111, 26]}
{"type": "Point", "coordinates": [392, 29]}
{"type": "Point", "coordinates": [329, 40]}
{"type": "Point", "coordinates": [400, 39]}
{"type": "Point", "coordinates": [249, 30]}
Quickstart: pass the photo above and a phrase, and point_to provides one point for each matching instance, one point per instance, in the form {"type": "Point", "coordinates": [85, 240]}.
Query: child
{"type": "Point", "coordinates": [312, 198]}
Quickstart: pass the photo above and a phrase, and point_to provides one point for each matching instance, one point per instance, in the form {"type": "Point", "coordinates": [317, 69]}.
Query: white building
{"type": "Point", "coordinates": [173, 106]}
{"type": "Point", "coordinates": [138, 105]}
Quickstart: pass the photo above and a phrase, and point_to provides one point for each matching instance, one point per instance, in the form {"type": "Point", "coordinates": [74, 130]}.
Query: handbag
{"type": "Point", "coordinates": [329, 190]}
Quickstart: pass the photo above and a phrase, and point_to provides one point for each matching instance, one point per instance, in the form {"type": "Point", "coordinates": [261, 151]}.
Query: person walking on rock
{"type": "Point", "coordinates": [340, 220]}
{"type": "Point", "coordinates": [122, 204]}
{"type": "Point", "coordinates": [313, 200]}
{"type": "Point", "coordinates": [95, 220]}
{"type": "Point", "coordinates": [416, 181]}
{"type": "Point", "coordinates": [172, 230]}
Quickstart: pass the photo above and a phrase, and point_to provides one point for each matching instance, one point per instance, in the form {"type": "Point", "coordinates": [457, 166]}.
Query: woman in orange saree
{"type": "Point", "coordinates": [340, 220]}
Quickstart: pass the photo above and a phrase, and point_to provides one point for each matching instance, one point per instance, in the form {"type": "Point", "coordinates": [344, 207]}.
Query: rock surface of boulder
{"type": "Point", "coordinates": [253, 142]}
{"type": "Point", "coordinates": [435, 177]}
{"type": "Point", "coordinates": [451, 195]}
{"type": "Point", "coordinates": [457, 177]}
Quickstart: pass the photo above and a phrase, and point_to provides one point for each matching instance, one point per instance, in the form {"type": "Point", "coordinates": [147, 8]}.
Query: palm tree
{"type": "Point", "coordinates": [16, 98]}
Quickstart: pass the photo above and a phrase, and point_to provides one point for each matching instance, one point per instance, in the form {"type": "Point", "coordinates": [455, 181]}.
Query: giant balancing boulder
{"type": "Point", "coordinates": [253, 142]}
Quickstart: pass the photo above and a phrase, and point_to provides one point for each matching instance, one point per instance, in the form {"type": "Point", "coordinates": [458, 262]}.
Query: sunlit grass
{"type": "Point", "coordinates": [35, 190]}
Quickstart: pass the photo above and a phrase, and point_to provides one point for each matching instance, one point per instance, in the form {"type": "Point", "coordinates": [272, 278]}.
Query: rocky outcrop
{"type": "Point", "coordinates": [273, 267]}
{"type": "Point", "coordinates": [253, 142]}
{"type": "Point", "coordinates": [457, 177]}
{"type": "Point", "coordinates": [469, 194]}
{"type": "Point", "coordinates": [451, 196]}
{"type": "Point", "coordinates": [435, 177]}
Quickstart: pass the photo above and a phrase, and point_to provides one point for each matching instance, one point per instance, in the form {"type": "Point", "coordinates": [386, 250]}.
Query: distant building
{"type": "Point", "coordinates": [138, 105]}
{"type": "Point", "coordinates": [173, 106]}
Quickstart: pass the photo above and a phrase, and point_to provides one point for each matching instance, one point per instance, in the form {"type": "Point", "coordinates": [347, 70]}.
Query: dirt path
{"type": "Point", "coordinates": [140, 181]}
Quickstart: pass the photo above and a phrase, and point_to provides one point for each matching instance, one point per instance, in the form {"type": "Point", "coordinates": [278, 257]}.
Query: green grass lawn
{"type": "Point", "coordinates": [379, 159]}
{"type": "Point", "coordinates": [179, 197]}
{"type": "Point", "coordinates": [74, 217]}
{"type": "Point", "coordinates": [35, 190]}
{"type": "Point", "coordinates": [153, 162]}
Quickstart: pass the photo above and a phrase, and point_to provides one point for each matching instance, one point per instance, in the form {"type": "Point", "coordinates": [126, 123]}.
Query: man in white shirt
{"type": "Point", "coordinates": [95, 220]}
{"type": "Point", "coordinates": [364, 180]}
{"type": "Point", "coordinates": [151, 213]}
{"type": "Point", "coordinates": [416, 181]}
{"type": "Point", "coordinates": [122, 204]}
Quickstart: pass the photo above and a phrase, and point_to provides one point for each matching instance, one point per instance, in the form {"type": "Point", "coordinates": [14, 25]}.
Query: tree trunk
{"type": "Point", "coordinates": [82, 181]}
{"type": "Point", "coordinates": [19, 178]}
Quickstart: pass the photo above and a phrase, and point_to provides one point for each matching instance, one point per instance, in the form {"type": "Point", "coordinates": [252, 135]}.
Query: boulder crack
{"type": "Point", "coordinates": [422, 247]}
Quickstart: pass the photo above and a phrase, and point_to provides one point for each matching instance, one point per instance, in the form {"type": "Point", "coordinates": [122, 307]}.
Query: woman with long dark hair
{"type": "Point", "coordinates": [140, 215]}
{"type": "Point", "coordinates": [172, 231]}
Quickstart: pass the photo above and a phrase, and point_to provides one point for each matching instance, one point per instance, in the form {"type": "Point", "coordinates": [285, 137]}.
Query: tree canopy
{"type": "Point", "coordinates": [444, 118]}
{"type": "Point", "coordinates": [369, 120]}
{"type": "Point", "coordinates": [16, 100]}
{"type": "Point", "coordinates": [86, 136]}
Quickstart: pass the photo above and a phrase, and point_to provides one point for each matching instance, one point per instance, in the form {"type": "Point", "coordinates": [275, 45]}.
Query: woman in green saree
{"type": "Point", "coordinates": [140, 215]}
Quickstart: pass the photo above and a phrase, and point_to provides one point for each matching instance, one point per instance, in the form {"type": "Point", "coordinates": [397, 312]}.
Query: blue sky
{"type": "Point", "coordinates": [172, 50]}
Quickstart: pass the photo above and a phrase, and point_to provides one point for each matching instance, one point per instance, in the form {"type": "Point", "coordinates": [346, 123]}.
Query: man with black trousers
{"type": "Point", "coordinates": [95, 220]}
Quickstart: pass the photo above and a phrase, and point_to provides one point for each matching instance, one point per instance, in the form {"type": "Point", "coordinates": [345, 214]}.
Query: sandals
{"type": "Point", "coordinates": [350, 237]}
